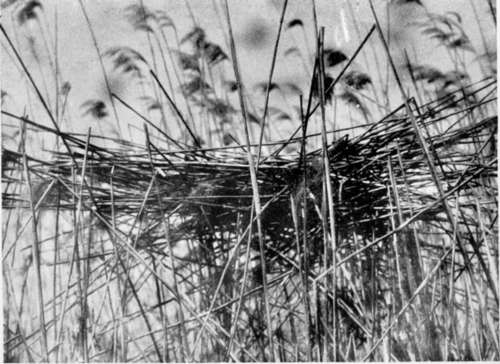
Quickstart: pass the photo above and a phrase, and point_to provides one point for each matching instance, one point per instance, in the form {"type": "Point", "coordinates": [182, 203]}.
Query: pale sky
{"type": "Point", "coordinates": [80, 67]}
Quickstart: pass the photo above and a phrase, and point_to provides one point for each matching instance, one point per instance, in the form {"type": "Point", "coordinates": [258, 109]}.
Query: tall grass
{"type": "Point", "coordinates": [214, 239]}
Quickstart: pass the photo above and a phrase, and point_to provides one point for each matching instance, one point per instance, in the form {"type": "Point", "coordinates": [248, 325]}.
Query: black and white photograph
{"type": "Point", "coordinates": [249, 181]}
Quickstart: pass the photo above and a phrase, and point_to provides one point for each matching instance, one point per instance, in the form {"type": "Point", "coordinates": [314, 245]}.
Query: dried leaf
{"type": "Point", "coordinates": [196, 84]}
{"type": "Point", "coordinates": [295, 23]}
{"type": "Point", "coordinates": [228, 139]}
{"type": "Point", "coordinates": [140, 17]}
{"type": "Point", "coordinates": [213, 53]}
{"type": "Point", "coordinates": [357, 80]}
{"type": "Point", "coordinates": [188, 62]}
{"type": "Point", "coordinates": [253, 118]}
{"type": "Point", "coordinates": [262, 87]}
{"type": "Point", "coordinates": [353, 100]}
{"type": "Point", "coordinates": [334, 57]}
{"type": "Point", "coordinates": [125, 59]}
{"type": "Point", "coordinates": [65, 88]}
{"type": "Point", "coordinates": [218, 107]}
{"type": "Point", "coordinates": [29, 11]}
{"type": "Point", "coordinates": [328, 81]}
{"type": "Point", "coordinates": [151, 103]}
{"type": "Point", "coordinates": [429, 73]}
{"type": "Point", "coordinates": [197, 36]}
{"type": "Point", "coordinates": [96, 108]}
{"type": "Point", "coordinates": [164, 21]}
{"type": "Point", "coordinates": [292, 50]}
{"type": "Point", "coordinates": [232, 86]}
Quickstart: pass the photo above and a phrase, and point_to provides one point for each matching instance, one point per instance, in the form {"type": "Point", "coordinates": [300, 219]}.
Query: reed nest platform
{"type": "Point", "coordinates": [415, 226]}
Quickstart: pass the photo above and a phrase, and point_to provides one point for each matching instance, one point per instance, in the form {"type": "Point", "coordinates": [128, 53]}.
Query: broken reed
{"type": "Point", "coordinates": [383, 191]}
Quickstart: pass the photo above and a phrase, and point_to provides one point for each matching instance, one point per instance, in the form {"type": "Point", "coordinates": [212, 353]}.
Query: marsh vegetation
{"type": "Point", "coordinates": [349, 217]}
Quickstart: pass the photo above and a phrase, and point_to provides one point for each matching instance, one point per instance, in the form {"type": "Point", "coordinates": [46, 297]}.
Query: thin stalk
{"type": "Point", "coordinates": [37, 90]}
{"type": "Point", "coordinates": [153, 57]}
{"type": "Point", "coordinates": [493, 11]}
{"type": "Point", "coordinates": [328, 183]}
{"type": "Point", "coordinates": [429, 159]}
{"type": "Point", "coordinates": [35, 246]}
{"type": "Point", "coordinates": [56, 257]}
{"type": "Point", "coordinates": [395, 239]}
{"type": "Point", "coordinates": [120, 291]}
{"type": "Point", "coordinates": [330, 88]}
{"type": "Point", "coordinates": [408, 304]}
{"type": "Point", "coordinates": [141, 309]}
{"type": "Point", "coordinates": [234, 323]}
{"type": "Point", "coordinates": [166, 227]}
{"type": "Point", "coordinates": [226, 269]}
{"type": "Point", "coordinates": [409, 220]}
{"type": "Point", "coordinates": [74, 255]}
{"type": "Point", "coordinates": [103, 69]}
{"type": "Point", "coordinates": [255, 187]}
{"type": "Point", "coordinates": [163, 319]}
{"type": "Point", "coordinates": [11, 294]}
{"type": "Point", "coordinates": [303, 276]}
{"type": "Point", "coordinates": [76, 250]}
{"type": "Point", "coordinates": [269, 81]}
{"type": "Point", "coordinates": [149, 122]}
{"type": "Point", "coordinates": [177, 111]}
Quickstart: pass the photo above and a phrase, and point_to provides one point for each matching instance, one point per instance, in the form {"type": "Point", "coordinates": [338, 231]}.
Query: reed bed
{"type": "Point", "coordinates": [384, 200]}
{"type": "Point", "coordinates": [379, 245]}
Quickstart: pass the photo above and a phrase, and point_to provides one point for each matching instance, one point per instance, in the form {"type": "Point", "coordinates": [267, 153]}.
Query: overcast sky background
{"type": "Point", "coordinates": [79, 65]}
